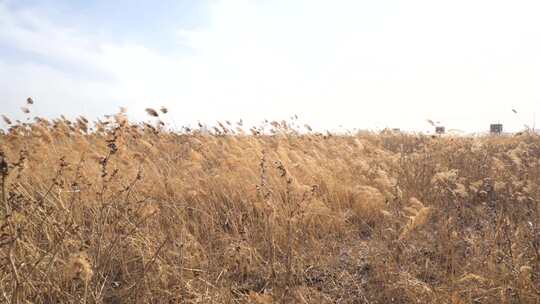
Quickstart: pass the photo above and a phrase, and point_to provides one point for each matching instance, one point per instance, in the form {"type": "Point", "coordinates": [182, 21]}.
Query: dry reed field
{"type": "Point", "coordinates": [118, 212]}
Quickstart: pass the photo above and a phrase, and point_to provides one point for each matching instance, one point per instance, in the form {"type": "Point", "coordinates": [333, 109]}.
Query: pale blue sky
{"type": "Point", "coordinates": [152, 23]}
{"type": "Point", "coordinates": [360, 64]}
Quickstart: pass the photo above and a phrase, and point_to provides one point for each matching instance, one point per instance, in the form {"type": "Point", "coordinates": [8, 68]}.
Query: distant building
{"type": "Point", "coordinates": [440, 130]}
{"type": "Point", "coordinates": [496, 128]}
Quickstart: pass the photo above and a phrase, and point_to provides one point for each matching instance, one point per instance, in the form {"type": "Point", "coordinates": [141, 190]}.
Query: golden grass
{"type": "Point", "coordinates": [115, 212]}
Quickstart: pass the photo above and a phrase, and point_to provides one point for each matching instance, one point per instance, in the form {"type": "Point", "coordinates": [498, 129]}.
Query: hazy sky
{"type": "Point", "coordinates": [360, 64]}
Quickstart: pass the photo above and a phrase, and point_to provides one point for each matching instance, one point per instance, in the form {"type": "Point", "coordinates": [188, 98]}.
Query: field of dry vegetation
{"type": "Point", "coordinates": [115, 212]}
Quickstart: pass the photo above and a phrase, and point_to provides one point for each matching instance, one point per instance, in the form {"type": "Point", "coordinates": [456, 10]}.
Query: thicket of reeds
{"type": "Point", "coordinates": [116, 212]}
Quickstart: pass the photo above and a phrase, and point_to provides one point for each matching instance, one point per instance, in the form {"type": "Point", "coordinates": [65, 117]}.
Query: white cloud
{"type": "Point", "coordinates": [355, 63]}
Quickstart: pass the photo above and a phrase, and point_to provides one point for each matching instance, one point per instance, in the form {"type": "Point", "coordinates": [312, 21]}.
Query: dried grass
{"type": "Point", "coordinates": [115, 212]}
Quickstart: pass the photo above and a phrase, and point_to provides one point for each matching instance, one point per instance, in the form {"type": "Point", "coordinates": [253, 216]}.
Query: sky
{"type": "Point", "coordinates": [339, 64]}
